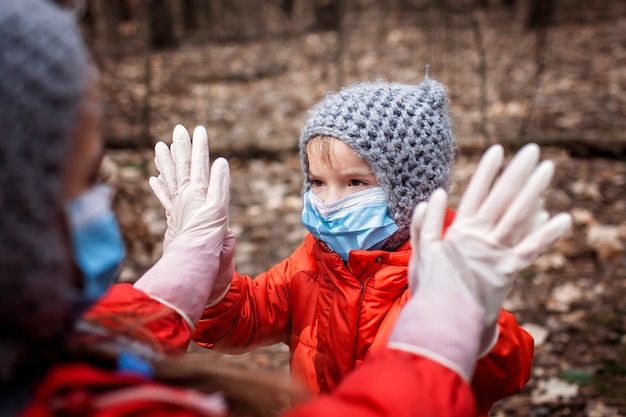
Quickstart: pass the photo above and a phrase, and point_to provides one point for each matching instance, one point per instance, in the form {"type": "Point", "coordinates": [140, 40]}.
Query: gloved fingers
{"type": "Point", "coordinates": [520, 213]}
{"type": "Point", "coordinates": [416, 224]}
{"type": "Point", "coordinates": [508, 185]}
{"type": "Point", "coordinates": [228, 247]}
{"type": "Point", "coordinates": [541, 239]}
{"type": "Point", "coordinates": [168, 236]}
{"type": "Point", "coordinates": [533, 223]}
{"type": "Point", "coordinates": [181, 154]}
{"type": "Point", "coordinates": [481, 181]}
{"type": "Point", "coordinates": [161, 192]}
{"type": "Point", "coordinates": [211, 218]}
{"type": "Point", "coordinates": [432, 225]}
{"type": "Point", "coordinates": [538, 209]}
{"type": "Point", "coordinates": [218, 193]}
{"type": "Point", "coordinates": [165, 166]}
{"type": "Point", "coordinates": [539, 220]}
{"type": "Point", "coordinates": [199, 175]}
{"type": "Point", "coordinates": [426, 229]}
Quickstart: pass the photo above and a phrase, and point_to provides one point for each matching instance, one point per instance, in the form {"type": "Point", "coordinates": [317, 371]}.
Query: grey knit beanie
{"type": "Point", "coordinates": [402, 131]}
{"type": "Point", "coordinates": [43, 76]}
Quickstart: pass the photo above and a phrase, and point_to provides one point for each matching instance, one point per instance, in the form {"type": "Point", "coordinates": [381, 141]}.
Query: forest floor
{"type": "Point", "coordinates": [572, 299]}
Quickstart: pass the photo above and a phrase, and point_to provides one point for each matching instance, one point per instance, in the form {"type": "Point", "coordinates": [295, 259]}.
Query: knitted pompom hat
{"type": "Point", "coordinates": [402, 131]}
{"type": "Point", "coordinates": [43, 76]}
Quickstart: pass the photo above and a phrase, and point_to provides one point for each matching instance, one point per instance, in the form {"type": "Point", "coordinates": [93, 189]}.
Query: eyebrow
{"type": "Point", "coordinates": [358, 173]}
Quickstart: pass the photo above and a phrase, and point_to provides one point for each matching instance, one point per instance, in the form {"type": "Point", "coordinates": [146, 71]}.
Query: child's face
{"type": "Point", "coordinates": [339, 174]}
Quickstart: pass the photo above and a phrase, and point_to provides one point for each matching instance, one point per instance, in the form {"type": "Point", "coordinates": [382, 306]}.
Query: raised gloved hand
{"type": "Point", "coordinates": [459, 282]}
{"type": "Point", "coordinates": [225, 271]}
{"type": "Point", "coordinates": [183, 173]}
{"type": "Point", "coordinates": [183, 168]}
{"type": "Point", "coordinates": [197, 263]}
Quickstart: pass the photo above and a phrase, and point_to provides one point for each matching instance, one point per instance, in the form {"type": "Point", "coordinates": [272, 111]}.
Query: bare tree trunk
{"type": "Point", "coordinates": [190, 13]}
{"type": "Point", "coordinates": [509, 3]}
{"type": "Point", "coordinates": [161, 24]}
{"type": "Point", "coordinates": [124, 10]}
{"type": "Point", "coordinates": [431, 18]}
{"type": "Point", "coordinates": [287, 6]}
{"type": "Point", "coordinates": [540, 14]}
{"type": "Point", "coordinates": [449, 63]}
{"type": "Point", "coordinates": [327, 14]}
{"type": "Point", "coordinates": [146, 140]}
{"type": "Point", "coordinates": [106, 22]}
{"type": "Point", "coordinates": [205, 17]}
{"type": "Point", "coordinates": [340, 51]}
{"type": "Point", "coordinates": [541, 58]}
{"type": "Point", "coordinates": [384, 10]}
{"type": "Point", "coordinates": [482, 73]}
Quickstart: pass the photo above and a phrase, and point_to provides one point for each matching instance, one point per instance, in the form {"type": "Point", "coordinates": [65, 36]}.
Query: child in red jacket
{"type": "Point", "coordinates": [370, 153]}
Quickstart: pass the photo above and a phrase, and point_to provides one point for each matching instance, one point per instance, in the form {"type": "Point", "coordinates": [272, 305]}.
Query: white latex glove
{"type": "Point", "coordinates": [186, 276]}
{"type": "Point", "coordinates": [172, 186]}
{"type": "Point", "coordinates": [499, 229]}
{"type": "Point", "coordinates": [225, 271]}
{"type": "Point", "coordinates": [183, 174]}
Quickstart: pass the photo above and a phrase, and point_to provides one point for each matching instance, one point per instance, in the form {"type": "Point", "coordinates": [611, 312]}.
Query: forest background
{"type": "Point", "coordinates": [516, 71]}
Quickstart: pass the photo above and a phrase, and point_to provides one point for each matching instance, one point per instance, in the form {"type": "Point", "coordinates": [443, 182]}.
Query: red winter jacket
{"type": "Point", "coordinates": [391, 383]}
{"type": "Point", "coordinates": [332, 314]}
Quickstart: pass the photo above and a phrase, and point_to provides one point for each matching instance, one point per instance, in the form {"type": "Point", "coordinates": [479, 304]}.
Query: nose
{"type": "Point", "coordinates": [333, 194]}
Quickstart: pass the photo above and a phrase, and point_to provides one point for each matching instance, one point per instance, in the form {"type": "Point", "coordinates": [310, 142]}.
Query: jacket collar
{"type": "Point", "coordinates": [360, 262]}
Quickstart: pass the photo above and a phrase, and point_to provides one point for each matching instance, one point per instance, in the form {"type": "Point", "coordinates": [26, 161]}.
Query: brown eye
{"type": "Point", "coordinates": [317, 183]}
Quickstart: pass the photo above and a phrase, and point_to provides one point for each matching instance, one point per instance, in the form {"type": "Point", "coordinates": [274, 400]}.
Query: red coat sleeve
{"type": "Point", "coordinates": [128, 311]}
{"type": "Point", "coordinates": [254, 312]}
{"type": "Point", "coordinates": [506, 368]}
{"type": "Point", "coordinates": [398, 384]}
{"type": "Point", "coordinates": [79, 389]}
{"type": "Point", "coordinates": [390, 383]}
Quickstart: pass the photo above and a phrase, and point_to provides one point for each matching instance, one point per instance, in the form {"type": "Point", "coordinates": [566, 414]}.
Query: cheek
{"type": "Point", "coordinates": [321, 193]}
{"type": "Point", "coordinates": [75, 274]}
{"type": "Point", "coordinates": [84, 156]}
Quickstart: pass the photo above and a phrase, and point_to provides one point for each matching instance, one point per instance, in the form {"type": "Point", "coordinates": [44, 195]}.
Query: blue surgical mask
{"type": "Point", "coordinates": [359, 221]}
{"type": "Point", "coordinates": [96, 240]}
